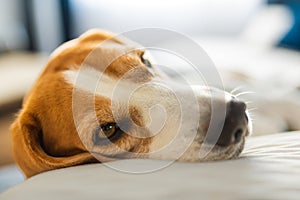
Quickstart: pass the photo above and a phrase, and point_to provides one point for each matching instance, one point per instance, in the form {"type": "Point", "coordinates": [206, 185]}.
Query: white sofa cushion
{"type": "Point", "coordinates": [269, 168]}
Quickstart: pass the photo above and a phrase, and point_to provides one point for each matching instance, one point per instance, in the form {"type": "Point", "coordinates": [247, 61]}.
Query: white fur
{"type": "Point", "coordinates": [169, 111]}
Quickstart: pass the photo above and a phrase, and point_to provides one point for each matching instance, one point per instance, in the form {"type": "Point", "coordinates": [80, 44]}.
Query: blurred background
{"type": "Point", "coordinates": [255, 45]}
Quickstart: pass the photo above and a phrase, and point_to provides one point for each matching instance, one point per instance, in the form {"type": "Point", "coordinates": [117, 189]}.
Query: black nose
{"type": "Point", "coordinates": [234, 127]}
{"type": "Point", "coordinates": [235, 123]}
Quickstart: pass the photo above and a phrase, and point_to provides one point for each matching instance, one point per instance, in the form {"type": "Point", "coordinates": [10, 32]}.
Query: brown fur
{"type": "Point", "coordinates": [44, 136]}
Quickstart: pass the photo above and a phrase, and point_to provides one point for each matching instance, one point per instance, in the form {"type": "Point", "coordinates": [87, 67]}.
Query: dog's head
{"type": "Point", "coordinates": [100, 99]}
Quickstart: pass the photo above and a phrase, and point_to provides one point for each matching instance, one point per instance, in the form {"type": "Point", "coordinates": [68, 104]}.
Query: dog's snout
{"type": "Point", "coordinates": [235, 124]}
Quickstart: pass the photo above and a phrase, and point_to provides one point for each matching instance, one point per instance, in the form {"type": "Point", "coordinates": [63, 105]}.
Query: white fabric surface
{"type": "Point", "coordinates": [18, 71]}
{"type": "Point", "coordinates": [269, 168]}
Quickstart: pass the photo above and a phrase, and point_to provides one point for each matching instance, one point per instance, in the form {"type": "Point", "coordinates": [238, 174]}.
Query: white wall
{"type": "Point", "coordinates": [47, 24]}
{"type": "Point", "coordinates": [192, 17]}
{"type": "Point", "coordinates": [12, 30]}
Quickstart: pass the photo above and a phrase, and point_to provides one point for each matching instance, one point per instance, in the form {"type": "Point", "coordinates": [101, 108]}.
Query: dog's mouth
{"type": "Point", "coordinates": [236, 150]}
{"type": "Point", "coordinates": [209, 152]}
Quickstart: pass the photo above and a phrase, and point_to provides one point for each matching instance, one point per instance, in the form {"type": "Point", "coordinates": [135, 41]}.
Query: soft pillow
{"type": "Point", "coordinates": [268, 169]}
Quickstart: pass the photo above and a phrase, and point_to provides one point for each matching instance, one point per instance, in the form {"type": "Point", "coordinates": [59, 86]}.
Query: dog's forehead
{"type": "Point", "coordinates": [108, 51]}
{"type": "Point", "coordinates": [107, 64]}
{"type": "Point", "coordinates": [96, 50]}
{"type": "Point", "coordinates": [116, 60]}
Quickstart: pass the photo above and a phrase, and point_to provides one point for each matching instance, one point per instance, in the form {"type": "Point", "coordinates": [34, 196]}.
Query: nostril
{"type": "Point", "coordinates": [238, 135]}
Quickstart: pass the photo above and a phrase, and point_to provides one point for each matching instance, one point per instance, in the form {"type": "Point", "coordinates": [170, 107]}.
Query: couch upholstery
{"type": "Point", "coordinates": [269, 168]}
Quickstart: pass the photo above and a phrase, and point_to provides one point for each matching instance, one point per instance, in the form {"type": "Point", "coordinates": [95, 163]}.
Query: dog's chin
{"type": "Point", "coordinates": [207, 152]}
{"type": "Point", "coordinates": [225, 153]}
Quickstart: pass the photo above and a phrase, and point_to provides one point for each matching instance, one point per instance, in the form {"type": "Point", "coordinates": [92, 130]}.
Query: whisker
{"type": "Point", "coordinates": [252, 109]}
{"type": "Point", "coordinates": [251, 112]}
{"type": "Point", "coordinates": [244, 93]}
{"type": "Point", "coordinates": [252, 116]}
{"type": "Point", "coordinates": [236, 89]}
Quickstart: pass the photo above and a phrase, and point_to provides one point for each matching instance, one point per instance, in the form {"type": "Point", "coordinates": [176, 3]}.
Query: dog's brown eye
{"type": "Point", "coordinates": [109, 129]}
{"type": "Point", "coordinates": [146, 62]}
{"type": "Point", "coordinates": [105, 133]}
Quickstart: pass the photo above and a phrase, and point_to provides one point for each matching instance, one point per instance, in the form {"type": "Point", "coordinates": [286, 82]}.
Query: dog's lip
{"type": "Point", "coordinates": [221, 146]}
{"type": "Point", "coordinates": [239, 149]}
{"type": "Point", "coordinates": [227, 149]}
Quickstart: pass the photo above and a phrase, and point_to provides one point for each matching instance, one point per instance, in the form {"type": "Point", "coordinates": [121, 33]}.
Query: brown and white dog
{"type": "Point", "coordinates": [66, 120]}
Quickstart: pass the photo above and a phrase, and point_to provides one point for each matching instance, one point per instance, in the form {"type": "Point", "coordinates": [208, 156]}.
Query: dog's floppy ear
{"type": "Point", "coordinates": [28, 148]}
{"type": "Point", "coordinates": [30, 140]}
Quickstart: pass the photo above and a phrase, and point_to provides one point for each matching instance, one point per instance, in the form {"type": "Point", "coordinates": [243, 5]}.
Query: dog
{"type": "Point", "coordinates": [74, 116]}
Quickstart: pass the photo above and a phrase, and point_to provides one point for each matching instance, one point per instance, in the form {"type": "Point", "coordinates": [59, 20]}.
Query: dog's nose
{"type": "Point", "coordinates": [235, 123]}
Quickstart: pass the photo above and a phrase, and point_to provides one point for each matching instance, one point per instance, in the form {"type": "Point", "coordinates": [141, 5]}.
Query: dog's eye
{"type": "Point", "coordinates": [105, 133]}
{"type": "Point", "coordinates": [109, 129]}
{"type": "Point", "coordinates": [146, 62]}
